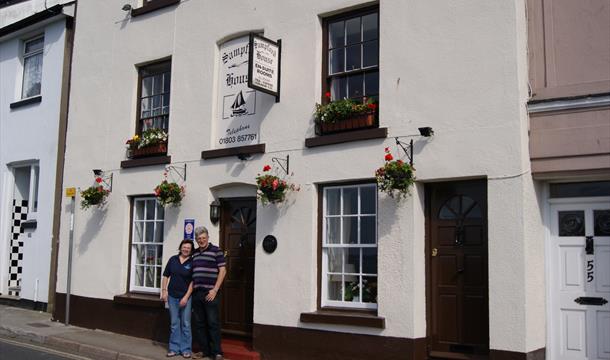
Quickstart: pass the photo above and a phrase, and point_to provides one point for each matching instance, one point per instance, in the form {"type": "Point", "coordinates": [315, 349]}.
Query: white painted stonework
{"type": "Point", "coordinates": [29, 136]}
{"type": "Point", "coordinates": [458, 67]}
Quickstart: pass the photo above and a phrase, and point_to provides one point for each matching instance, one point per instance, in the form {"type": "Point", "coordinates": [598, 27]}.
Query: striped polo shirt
{"type": "Point", "coordinates": [205, 266]}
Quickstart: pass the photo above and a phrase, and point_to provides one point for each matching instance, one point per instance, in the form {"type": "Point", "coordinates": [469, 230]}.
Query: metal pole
{"type": "Point", "coordinates": [70, 246]}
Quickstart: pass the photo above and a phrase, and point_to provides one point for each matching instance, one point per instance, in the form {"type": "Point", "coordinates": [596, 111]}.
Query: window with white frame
{"type": "Point", "coordinates": [146, 245]}
{"type": "Point", "coordinates": [349, 246]}
{"type": "Point", "coordinates": [32, 67]}
{"type": "Point", "coordinates": [26, 185]}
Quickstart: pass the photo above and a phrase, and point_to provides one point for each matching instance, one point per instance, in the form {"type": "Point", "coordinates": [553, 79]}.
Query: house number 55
{"type": "Point", "coordinates": [590, 268]}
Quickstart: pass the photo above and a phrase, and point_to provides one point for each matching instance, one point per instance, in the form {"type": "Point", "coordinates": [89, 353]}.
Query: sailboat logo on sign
{"type": "Point", "coordinates": [241, 104]}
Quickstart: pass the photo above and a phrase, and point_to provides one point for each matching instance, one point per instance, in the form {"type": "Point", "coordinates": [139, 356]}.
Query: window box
{"type": "Point", "coordinates": [358, 122]}
{"type": "Point", "coordinates": [153, 150]}
{"type": "Point", "coordinates": [152, 5]}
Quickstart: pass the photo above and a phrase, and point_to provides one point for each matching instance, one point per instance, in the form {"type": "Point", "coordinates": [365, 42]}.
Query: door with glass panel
{"type": "Point", "coordinates": [579, 279]}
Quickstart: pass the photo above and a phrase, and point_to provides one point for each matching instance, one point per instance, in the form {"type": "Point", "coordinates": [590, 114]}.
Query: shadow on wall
{"type": "Point", "coordinates": [92, 228]}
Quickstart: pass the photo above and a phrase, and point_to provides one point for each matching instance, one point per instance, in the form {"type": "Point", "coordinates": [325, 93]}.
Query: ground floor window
{"type": "Point", "coordinates": [349, 246]}
{"type": "Point", "coordinates": [146, 245]}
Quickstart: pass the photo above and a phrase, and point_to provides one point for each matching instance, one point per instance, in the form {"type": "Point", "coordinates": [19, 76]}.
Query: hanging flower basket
{"type": "Point", "coordinates": [395, 177]}
{"type": "Point", "coordinates": [271, 188]}
{"type": "Point", "coordinates": [152, 142]}
{"type": "Point", "coordinates": [94, 196]}
{"type": "Point", "coordinates": [169, 193]}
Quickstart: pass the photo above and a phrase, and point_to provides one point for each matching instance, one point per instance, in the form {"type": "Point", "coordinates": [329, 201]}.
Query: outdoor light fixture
{"type": "Point", "coordinates": [426, 131]}
{"type": "Point", "coordinates": [215, 212]}
{"type": "Point", "coordinates": [97, 172]}
{"type": "Point", "coordinates": [244, 157]}
{"type": "Point", "coordinates": [126, 7]}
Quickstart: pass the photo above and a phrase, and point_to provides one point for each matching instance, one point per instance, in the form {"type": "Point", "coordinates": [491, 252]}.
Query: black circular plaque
{"type": "Point", "coordinates": [269, 244]}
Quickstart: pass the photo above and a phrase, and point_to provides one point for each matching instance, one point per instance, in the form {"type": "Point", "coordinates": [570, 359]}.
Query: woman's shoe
{"type": "Point", "coordinates": [186, 355]}
{"type": "Point", "coordinates": [171, 354]}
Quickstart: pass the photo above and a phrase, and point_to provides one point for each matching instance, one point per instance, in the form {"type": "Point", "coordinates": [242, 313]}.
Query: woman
{"type": "Point", "coordinates": [176, 291]}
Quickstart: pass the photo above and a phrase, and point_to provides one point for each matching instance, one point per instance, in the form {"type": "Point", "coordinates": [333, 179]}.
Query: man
{"type": "Point", "coordinates": [209, 271]}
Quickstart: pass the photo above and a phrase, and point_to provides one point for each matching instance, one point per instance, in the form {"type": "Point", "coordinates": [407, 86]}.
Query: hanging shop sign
{"type": "Point", "coordinates": [240, 108]}
{"type": "Point", "coordinates": [264, 65]}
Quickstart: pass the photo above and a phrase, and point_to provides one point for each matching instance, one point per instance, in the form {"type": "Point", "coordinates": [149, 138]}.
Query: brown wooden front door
{"type": "Point", "coordinates": [237, 239]}
{"type": "Point", "coordinates": [457, 301]}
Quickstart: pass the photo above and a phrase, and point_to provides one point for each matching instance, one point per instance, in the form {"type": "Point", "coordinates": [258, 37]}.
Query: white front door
{"type": "Point", "coordinates": [579, 280]}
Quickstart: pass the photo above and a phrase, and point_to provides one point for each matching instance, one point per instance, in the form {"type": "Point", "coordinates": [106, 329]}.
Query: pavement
{"type": "Point", "coordinates": [36, 327]}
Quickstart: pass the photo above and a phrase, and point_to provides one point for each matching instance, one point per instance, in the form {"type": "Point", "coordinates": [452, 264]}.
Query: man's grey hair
{"type": "Point", "coordinates": [200, 230]}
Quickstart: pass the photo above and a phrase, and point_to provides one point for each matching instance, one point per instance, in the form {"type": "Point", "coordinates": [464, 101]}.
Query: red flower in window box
{"type": "Point", "coordinates": [344, 115]}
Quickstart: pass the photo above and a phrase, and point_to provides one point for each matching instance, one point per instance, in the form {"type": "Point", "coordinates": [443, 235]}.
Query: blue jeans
{"type": "Point", "coordinates": [206, 321]}
{"type": "Point", "coordinates": [180, 337]}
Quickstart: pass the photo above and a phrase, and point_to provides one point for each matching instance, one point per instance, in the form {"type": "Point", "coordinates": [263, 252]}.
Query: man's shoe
{"type": "Point", "coordinates": [219, 357]}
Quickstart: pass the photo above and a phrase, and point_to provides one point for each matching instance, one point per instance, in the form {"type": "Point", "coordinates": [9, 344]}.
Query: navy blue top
{"type": "Point", "coordinates": [180, 276]}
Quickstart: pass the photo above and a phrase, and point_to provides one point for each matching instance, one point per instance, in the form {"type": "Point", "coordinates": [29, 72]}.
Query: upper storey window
{"type": "Point", "coordinates": [155, 81]}
{"type": "Point", "coordinates": [32, 67]}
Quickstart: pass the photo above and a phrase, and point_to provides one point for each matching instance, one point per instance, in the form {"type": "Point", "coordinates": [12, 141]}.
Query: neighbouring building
{"type": "Point", "coordinates": [35, 46]}
{"type": "Point", "coordinates": [569, 107]}
{"type": "Point", "coordinates": [454, 270]}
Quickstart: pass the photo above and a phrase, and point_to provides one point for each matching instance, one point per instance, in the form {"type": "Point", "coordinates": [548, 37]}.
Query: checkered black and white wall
{"type": "Point", "coordinates": [19, 215]}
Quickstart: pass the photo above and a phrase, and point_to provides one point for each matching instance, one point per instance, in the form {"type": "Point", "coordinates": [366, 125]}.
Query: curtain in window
{"type": "Point", "coordinates": [32, 76]}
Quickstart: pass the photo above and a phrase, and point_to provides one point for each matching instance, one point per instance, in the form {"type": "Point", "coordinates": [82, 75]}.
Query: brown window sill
{"type": "Point", "coordinates": [25, 102]}
{"type": "Point", "coordinates": [378, 133]}
{"type": "Point", "coordinates": [152, 6]}
{"type": "Point", "coordinates": [146, 161]}
{"type": "Point", "coordinates": [137, 299]}
{"type": "Point", "coordinates": [234, 151]}
{"type": "Point", "coordinates": [344, 317]}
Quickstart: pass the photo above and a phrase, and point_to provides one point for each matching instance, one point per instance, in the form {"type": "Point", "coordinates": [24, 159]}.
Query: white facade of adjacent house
{"type": "Point", "coordinates": [32, 50]}
{"type": "Point", "coordinates": [460, 69]}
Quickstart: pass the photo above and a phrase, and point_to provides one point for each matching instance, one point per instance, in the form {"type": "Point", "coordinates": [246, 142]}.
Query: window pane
{"type": "Point", "coordinates": [352, 288]}
{"type": "Point", "coordinates": [333, 234]}
{"type": "Point", "coordinates": [150, 277]}
{"type": "Point", "coordinates": [157, 84]}
{"type": "Point", "coordinates": [338, 88]}
{"type": "Point", "coordinates": [166, 82]}
{"type": "Point", "coordinates": [34, 45]}
{"type": "Point", "coordinates": [350, 200]}
{"type": "Point", "coordinates": [149, 235]}
{"type": "Point", "coordinates": [150, 209]}
{"type": "Point", "coordinates": [368, 199]}
{"type": "Point", "coordinates": [571, 223]}
{"type": "Point", "coordinates": [353, 58]}
{"type": "Point", "coordinates": [601, 222]}
{"type": "Point", "coordinates": [334, 287]}
{"type": "Point", "coordinates": [369, 260]}
{"type": "Point", "coordinates": [158, 272]}
{"type": "Point", "coordinates": [159, 255]}
{"type": "Point", "coordinates": [350, 230]}
{"type": "Point", "coordinates": [335, 260]}
{"type": "Point", "coordinates": [165, 104]}
{"type": "Point", "coordinates": [151, 255]}
{"type": "Point", "coordinates": [352, 261]}
{"type": "Point", "coordinates": [336, 61]}
{"type": "Point", "coordinates": [145, 107]}
{"type": "Point", "coordinates": [355, 86]}
{"type": "Point", "coordinates": [139, 210]}
{"type": "Point", "coordinates": [147, 86]}
{"type": "Point", "coordinates": [140, 256]}
{"type": "Point", "coordinates": [139, 280]}
{"type": "Point", "coordinates": [333, 201]}
{"type": "Point", "coordinates": [160, 211]}
{"type": "Point", "coordinates": [369, 285]}
{"type": "Point", "coordinates": [368, 227]}
{"type": "Point", "coordinates": [32, 76]}
{"type": "Point", "coordinates": [369, 27]}
{"type": "Point", "coordinates": [156, 105]}
{"type": "Point", "coordinates": [336, 34]}
{"type": "Point", "coordinates": [371, 53]}
{"type": "Point", "coordinates": [371, 83]}
{"type": "Point", "coordinates": [352, 29]}
{"type": "Point", "coordinates": [159, 232]}
{"type": "Point", "coordinates": [138, 234]}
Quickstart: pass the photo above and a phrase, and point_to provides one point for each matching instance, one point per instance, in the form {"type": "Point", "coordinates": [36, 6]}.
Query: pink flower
{"type": "Point", "coordinates": [275, 184]}
{"type": "Point", "coordinates": [387, 150]}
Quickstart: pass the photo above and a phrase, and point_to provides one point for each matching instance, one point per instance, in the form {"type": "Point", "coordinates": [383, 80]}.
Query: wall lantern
{"type": "Point", "coordinates": [215, 212]}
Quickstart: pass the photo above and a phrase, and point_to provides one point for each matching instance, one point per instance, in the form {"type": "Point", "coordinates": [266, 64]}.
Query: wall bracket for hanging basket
{"type": "Point", "coordinates": [283, 163]}
{"type": "Point", "coordinates": [180, 171]}
{"type": "Point", "coordinates": [407, 148]}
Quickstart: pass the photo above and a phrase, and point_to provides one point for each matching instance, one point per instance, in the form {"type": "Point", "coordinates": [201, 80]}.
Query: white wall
{"type": "Point", "coordinates": [29, 134]}
{"type": "Point", "coordinates": [457, 67]}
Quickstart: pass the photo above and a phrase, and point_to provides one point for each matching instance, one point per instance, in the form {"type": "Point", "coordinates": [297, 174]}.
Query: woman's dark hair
{"type": "Point", "coordinates": [190, 242]}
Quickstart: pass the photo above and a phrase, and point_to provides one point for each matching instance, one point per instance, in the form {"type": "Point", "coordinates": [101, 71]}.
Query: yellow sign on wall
{"type": "Point", "coordinates": [71, 192]}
